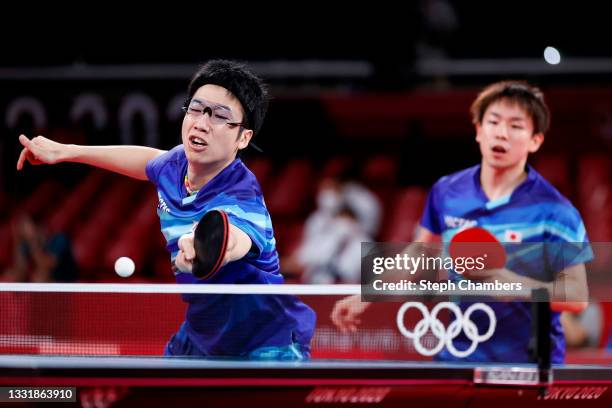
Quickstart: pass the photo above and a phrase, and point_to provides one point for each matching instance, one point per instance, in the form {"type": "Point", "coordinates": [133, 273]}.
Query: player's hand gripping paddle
{"type": "Point", "coordinates": [210, 243]}
{"type": "Point", "coordinates": [478, 242]}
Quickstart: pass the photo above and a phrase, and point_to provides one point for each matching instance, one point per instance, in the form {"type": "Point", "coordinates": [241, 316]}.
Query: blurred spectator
{"type": "Point", "coordinates": [347, 214]}
{"type": "Point", "coordinates": [333, 255]}
{"type": "Point", "coordinates": [39, 256]}
{"type": "Point", "coordinates": [364, 204]}
{"type": "Point", "coordinates": [347, 189]}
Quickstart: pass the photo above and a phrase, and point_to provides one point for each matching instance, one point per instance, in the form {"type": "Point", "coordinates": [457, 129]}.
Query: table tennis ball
{"type": "Point", "coordinates": [124, 266]}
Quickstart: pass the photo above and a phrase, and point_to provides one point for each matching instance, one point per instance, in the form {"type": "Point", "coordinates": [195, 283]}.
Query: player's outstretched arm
{"type": "Point", "coordinates": [127, 160]}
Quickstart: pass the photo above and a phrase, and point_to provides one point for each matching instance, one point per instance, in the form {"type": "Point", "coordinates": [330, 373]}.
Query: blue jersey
{"type": "Point", "coordinates": [229, 325]}
{"type": "Point", "coordinates": [535, 212]}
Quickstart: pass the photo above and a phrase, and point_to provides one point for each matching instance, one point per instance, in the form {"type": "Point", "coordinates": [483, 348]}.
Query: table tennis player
{"type": "Point", "coordinates": [209, 197]}
{"type": "Point", "coordinates": [509, 199]}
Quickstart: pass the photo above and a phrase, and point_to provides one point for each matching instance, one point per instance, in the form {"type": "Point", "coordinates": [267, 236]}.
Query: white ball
{"type": "Point", "coordinates": [552, 55]}
{"type": "Point", "coordinates": [124, 266]}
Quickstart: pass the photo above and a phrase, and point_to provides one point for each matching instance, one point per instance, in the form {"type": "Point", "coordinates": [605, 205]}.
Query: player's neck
{"type": "Point", "coordinates": [200, 174]}
{"type": "Point", "coordinates": [500, 182]}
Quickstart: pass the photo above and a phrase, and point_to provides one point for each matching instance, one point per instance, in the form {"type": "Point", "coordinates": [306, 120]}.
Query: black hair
{"type": "Point", "coordinates": [527, 96]}
{"type": "Point", "coordinates": [248, 88]}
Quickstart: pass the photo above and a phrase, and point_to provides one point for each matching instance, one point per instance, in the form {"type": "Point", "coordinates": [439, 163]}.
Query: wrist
{"type": "Point", "coordinates": [68, 152]}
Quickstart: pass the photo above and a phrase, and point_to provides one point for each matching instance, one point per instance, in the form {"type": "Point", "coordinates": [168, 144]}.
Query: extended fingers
{"type": "Point", "coordinates": [22, 158]}
{"type": "Point", "coordinates": [25, 142]}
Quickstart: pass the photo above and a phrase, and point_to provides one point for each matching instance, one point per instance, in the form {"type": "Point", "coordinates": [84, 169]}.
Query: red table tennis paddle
{"type": "Point", "coordinates": [477, 242]}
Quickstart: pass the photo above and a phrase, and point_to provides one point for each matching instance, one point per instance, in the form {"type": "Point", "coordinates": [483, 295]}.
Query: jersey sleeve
{"type": "Point", "coordinates": [154, 166]}
{"type": "Point", "coordinates": [567, 241]}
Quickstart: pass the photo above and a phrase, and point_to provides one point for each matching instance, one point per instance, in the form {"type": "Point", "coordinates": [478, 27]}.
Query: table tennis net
{"type": "Point", "coordinates": [77, 321]}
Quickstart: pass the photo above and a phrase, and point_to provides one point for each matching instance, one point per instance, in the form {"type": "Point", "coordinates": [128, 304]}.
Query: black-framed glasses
{"type": "Point", "coordinates": [218, 114]}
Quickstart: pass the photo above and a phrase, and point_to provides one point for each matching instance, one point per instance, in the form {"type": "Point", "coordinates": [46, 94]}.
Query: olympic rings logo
{"type": "Point", "coordinates": [445, 335]}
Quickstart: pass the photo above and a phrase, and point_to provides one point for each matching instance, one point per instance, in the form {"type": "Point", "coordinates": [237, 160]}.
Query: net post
{"type": "Point", "coordinates": [540, 344]}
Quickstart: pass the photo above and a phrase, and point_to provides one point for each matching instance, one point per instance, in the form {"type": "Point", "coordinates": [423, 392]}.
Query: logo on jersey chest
{"type": "Point", "coordinates": [161, 204]}
{"type": "Point", "coordinates": [457, 222]}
